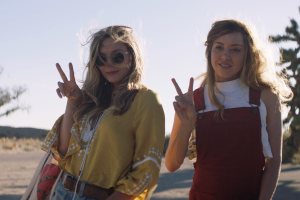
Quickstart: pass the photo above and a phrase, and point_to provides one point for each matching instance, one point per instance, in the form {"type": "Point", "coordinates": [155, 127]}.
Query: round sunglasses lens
{"type": "Point", "coordinates": [118, 58]}
{"type": "Point", "coordinates": [99, 61]}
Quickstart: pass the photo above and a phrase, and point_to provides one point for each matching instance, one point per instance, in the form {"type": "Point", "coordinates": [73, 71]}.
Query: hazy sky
{"type": "Point", "coordinates": [37, 34]}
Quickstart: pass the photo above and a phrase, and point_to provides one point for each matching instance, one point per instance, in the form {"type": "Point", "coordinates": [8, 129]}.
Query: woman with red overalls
{"type": "Point", "coordinates": [237, 118]}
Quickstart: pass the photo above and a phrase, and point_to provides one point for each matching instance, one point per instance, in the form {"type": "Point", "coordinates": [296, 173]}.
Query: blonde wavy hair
{"type": "Point", "coordinates": [258, 71]}
{"type": "Point", "coordinates": [97, 92]}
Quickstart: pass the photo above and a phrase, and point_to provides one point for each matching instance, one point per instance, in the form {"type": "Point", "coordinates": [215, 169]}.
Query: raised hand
{"type": "Point", "coordinates": [184, 105]}
{"type": "Point", "coordinates": [68, 88]}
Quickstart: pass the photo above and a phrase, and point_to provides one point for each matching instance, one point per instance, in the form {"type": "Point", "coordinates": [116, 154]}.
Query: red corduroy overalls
{"type": "Point", "coordinates": [230, 158]}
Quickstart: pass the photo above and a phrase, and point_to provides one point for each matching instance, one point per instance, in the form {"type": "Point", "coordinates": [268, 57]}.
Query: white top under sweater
{"type": "Point", "coordinates": [236, 94]}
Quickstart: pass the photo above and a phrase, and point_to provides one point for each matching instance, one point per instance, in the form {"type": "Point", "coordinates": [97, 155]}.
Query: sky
{"type": "Point", "coordinates": [37, 34]}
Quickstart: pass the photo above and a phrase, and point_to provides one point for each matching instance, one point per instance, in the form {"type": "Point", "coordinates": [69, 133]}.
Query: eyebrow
{"type": "Point", "coordinates": [231, 45]}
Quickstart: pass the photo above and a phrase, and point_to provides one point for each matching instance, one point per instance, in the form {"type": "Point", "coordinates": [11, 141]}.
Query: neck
{"type": "Point", "coordinates": [116, 85]}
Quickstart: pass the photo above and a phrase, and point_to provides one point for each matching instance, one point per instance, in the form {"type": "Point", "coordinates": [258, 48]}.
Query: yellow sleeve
{"type": "Point", "coordinates": [149, 126]}
{"type": "Point", "coordinates": [51, 140]}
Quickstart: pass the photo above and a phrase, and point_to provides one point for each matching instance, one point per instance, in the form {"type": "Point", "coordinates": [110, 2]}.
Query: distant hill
{"type": "Point", "coordinates": [10, 132]}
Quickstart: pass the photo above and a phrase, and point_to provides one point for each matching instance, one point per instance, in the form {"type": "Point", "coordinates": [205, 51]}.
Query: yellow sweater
{"type": "Point", "coordinates": [125, 152]}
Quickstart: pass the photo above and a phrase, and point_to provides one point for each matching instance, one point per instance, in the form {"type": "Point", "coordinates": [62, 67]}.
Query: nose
{"type": "Point", "coordinates": [109, 62]}
{"type": "Point", "coordinates": [226, 54]}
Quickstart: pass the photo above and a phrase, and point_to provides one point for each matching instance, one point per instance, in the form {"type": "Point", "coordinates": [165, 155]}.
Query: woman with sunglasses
{"type": "Point", "coordinates": [110, 138]}
{"type": "Point", "coordinates": [237, 118]}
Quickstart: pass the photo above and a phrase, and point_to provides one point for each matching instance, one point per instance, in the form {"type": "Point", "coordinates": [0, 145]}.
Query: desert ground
{"type": "Point", "coordinates": [17, 167]}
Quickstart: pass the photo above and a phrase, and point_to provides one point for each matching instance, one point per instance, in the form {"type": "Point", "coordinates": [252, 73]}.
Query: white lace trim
{"type": "Point", "coordinates": [85, 122]}
{"type": "Point", "coordinates": [138, 189]}
{"type": "Point", "coordinates": [50, 140]}
{"type": "Point", "coordinates": [146, 159]}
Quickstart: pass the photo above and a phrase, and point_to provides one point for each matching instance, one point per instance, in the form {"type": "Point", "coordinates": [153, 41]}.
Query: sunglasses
{"type": "Point", "coordinates": [116, 58]}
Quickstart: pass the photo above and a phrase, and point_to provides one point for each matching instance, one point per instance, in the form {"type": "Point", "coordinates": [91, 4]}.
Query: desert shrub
{"type": "Point", "coordinates": [296, 158]}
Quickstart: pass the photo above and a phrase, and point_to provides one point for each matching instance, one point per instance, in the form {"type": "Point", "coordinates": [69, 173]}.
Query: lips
{"type": "Point", "coordinates": [112, 72]}
{"type": "Point", "coordinates": [224, 66]}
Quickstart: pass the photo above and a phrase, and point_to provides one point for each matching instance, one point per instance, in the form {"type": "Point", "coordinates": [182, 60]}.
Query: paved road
{"type": "Point", "coordinates": [16, 171]}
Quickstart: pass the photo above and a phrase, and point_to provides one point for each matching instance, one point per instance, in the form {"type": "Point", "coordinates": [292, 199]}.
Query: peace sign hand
{"type": "Point", "coordinates": [68, 88]}
{"type": "Point", "coordinates": [184, 105]}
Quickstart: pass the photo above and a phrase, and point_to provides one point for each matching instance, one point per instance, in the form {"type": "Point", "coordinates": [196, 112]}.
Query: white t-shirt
{"type": "Point", "coordinates": [235, 95]}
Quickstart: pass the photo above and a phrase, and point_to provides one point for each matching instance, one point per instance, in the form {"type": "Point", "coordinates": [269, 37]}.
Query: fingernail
{"type": "Point", "coordinates": [64, 94]}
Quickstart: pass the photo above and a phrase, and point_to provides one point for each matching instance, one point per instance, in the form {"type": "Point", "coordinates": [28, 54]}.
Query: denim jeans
{"type": "Point", "coordinates": [62, 194]}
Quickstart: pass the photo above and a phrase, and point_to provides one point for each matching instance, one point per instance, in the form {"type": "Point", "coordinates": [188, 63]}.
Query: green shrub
{"type": "Point", "coordinates": [296, 158]}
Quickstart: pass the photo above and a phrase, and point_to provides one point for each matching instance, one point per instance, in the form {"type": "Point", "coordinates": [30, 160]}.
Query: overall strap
{"type": "Point", "coordinates": [254, 96]}
{"type": "Point", "coordinates": [199, 99]}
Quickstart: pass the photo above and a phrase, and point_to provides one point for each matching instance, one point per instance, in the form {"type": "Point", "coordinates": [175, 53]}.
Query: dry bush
{"type": "Point", "coordinates": [20, 144]}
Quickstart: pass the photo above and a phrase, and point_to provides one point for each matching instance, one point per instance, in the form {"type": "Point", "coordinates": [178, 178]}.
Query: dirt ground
{"type": "Point", "coordinates": [17, 168]}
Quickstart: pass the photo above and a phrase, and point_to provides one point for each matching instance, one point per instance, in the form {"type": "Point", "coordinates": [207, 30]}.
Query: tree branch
{"type": "Point", "coordinates": [279, 38]}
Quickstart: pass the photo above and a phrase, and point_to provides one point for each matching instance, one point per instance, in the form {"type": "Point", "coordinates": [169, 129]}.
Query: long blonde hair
{"type": "Point", "coordinates": [258, 71]}
{"type": "Point", "coordinates": [97, 92]}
